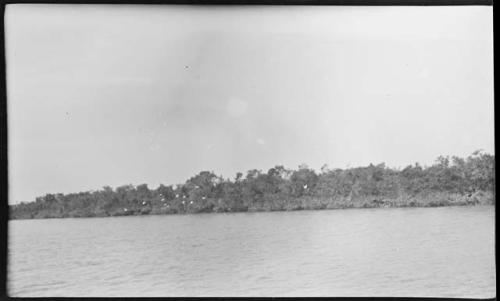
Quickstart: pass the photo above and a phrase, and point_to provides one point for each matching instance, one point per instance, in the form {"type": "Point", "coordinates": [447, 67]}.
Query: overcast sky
{"type": "Point", "coordinates": [111, 95]}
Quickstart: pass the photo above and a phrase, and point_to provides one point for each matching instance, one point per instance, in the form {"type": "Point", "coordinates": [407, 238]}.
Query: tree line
{"type": "Point", "coordinates": [448, 182]}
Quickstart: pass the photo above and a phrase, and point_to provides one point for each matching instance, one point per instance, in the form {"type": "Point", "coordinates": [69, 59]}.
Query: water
{"type": "Point", "coordinates": [443, 252]}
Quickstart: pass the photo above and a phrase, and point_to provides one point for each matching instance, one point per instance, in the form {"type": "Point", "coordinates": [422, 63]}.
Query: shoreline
{"type": "Point", "coordinates": [311, 204]}
{"type": "Point", "coordinates": [455, 182]}
{"type": "Point", "coordinates": [242, 212]}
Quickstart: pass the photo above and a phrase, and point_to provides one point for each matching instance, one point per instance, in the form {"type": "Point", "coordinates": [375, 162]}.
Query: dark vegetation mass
{"type": "Point", "coordinates": [458, 181]}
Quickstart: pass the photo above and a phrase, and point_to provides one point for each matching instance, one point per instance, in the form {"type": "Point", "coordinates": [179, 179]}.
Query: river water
{"type": "Point", "coordinates": [440, 252]}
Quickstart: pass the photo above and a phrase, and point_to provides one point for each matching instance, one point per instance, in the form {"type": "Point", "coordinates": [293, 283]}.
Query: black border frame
{"type": "Point", "coordinates": [4, 208]}
{"type": "Point", "coordinates": [266, 2]}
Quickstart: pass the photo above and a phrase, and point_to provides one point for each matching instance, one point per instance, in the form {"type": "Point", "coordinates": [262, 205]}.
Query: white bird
{"type": "Point", "coordinates": [305, 186]}
{"type": "Point", "coordinates": [203, 198]}
{"type": "Point", "coordinates": [125, 209]}
{"type": "Point", "coordinates": [144, 203]}
{"type": "Point", "coordinates": [176, 195]}
{"type": "Point", "coordinates": [191, 202]}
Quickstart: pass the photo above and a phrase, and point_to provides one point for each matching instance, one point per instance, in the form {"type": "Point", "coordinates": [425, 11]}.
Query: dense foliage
{"type": "Point", "coordinates": [447, 182]}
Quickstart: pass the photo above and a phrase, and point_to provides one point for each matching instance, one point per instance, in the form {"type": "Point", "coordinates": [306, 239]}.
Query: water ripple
{"type": "Point", "coordinates": [440, 252]}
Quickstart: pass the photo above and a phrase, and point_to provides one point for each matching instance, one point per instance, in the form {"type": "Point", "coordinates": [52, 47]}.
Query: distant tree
{"type": "Point", "coordinates": [282, 189]}
{"type": "Point", "coordinates": [303, 181]}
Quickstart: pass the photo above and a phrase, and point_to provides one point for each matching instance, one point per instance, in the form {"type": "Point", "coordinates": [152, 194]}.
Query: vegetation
{"type": "Point", "coordinates": [458, 181]}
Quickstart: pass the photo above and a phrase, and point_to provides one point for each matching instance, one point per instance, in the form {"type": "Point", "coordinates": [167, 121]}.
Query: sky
{"type": "Point", "coordinates": [113, 95]}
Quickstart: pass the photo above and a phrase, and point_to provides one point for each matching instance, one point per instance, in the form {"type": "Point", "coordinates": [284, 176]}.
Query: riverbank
{"type": "Point", "coordinates": [448, 182]}
{"type": "Point", "coordinates": [439, 199]}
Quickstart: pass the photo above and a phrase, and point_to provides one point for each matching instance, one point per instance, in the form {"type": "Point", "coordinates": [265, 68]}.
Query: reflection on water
{"type": "Point", "coordinates": [444, 252]}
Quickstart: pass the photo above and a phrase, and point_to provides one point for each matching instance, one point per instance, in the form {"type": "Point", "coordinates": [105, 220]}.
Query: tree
{"type": "Point", "coordinates": [303, 181]}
